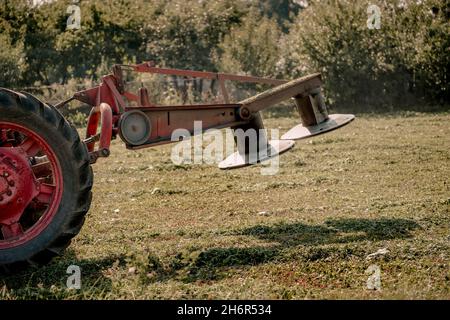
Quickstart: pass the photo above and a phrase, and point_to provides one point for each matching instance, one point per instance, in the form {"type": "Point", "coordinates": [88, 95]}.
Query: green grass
{"type": "Point", "coordinates": [381, 182]}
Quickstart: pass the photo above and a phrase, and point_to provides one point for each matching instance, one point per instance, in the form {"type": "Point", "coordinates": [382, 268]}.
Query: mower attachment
{"type": "Point", "coordinates": [141, 123]}
{"type": "Point", "coordinates": [307, 96]}
{"type": "Point", "coordinates": [309, 101]}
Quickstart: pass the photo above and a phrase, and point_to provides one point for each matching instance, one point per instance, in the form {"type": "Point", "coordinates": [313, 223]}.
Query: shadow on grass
{"type": "Point", "coordinates": [212, 264]}
{"type": "Point", "coordinates": [208, 264]}
{"type": "Point", "coordinates": [333, 231]}
{"type": "Point", "coordinates": [48, 282]}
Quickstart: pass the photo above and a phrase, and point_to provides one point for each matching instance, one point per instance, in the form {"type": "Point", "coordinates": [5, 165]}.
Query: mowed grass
{"type": "Point", "coordinates": [161, 231]}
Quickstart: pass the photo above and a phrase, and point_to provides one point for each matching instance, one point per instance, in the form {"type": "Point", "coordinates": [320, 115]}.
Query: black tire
{"type": "Point", "coordinates": [24, 109]}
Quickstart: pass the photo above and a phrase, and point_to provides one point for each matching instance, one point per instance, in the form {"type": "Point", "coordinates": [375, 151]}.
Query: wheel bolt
{"type": "Point", "coordinates": [9, 193]}
{"type": "Point", "coordinates": [6, 174]}
{"type": "Point", "coordinates": [11, 183]}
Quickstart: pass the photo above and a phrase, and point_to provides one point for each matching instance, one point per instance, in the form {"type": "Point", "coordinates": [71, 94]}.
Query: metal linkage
{"type": "Point", "coordinates": [103, 112]}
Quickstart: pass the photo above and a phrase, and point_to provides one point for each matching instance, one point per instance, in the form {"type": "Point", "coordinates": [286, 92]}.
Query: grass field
{"type": "Point", "coordinates": [161, 231]}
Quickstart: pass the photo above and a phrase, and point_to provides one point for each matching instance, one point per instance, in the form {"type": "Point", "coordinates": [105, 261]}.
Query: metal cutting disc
{"type": "Point", "coordinates": [275, 148]}
{"type": "Point", "coordinates": [335, 121]}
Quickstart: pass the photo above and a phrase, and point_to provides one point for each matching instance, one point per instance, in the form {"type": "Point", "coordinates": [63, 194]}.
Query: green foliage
{"type": "Point", "coordinates": [432, 63]}
{"type": "Point", "coordinates": [282, 10]}
{"type": "Point", "coordinates": [14, 16]}
{"type": "Point", "coordinates": [184, 36]}
{"type": "Point", "coordinates": [252, 48]}
{"type": "Point", "coordinates": [407, 59]}
{"type": "Point", "coordinates": [77, 118]}
{"type": "Point", "coordinates": [109, 34]}
{"type": "Point", "coordinates": [173, 33]}
{"type": "Point", "coordinates": [405, 62]}
{"type": "Point", "coordinates": [12, 25]}
{"type": "Point", "coordinates": [11, 62]}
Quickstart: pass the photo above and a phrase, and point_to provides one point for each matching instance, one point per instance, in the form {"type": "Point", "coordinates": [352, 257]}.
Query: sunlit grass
{"type": "Point", "coordinates": [381, 182]}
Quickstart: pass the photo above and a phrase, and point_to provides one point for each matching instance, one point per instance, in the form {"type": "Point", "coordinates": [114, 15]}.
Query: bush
{"type": "Point", "coordinates": [11, 63]}
{"type": "Point", "coordinates": [251, 48]}
{"type": "Point", "coordinates": [184, 33]}
{"type": "Point", "coordinates": [406, 62]}
{"type": "Point", "coordinates": [175, 33]}
{"type": "Point", "coordinates": [403, 63]}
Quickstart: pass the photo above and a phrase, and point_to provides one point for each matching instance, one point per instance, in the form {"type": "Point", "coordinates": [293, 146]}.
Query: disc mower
{"type": "Point", "coordinates": [45, 167]}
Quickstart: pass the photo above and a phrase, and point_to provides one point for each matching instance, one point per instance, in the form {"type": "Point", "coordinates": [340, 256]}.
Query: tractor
{"type": "Point", "coordinates": [46, 172]}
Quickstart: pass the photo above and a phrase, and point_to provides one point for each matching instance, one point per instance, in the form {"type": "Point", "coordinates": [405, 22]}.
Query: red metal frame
{"type": "Point", "coordinates": [111, 90]}
{"type": "Point", "coordinates": [109, 103]}
{"type": "Point", "coordinates": [105, 113]}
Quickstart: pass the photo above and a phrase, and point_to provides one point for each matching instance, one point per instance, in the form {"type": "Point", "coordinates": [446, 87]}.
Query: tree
{"type": "Point", "coordinates": [251, 48]}
{"type": "Point", "coordinates": [398, 65]}
{"type": "Point", "coordinates": [11, 63]}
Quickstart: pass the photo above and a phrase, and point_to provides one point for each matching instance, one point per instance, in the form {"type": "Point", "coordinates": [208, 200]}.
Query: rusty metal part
{"type": "Point", "coordinates": [245, 113]}
{"type": "Point", "coordinates": [282, 93]}
{"type": "Point", "coordinates": [320, 108]}
{"type": "Point", "coordinates": [144, 99]}
{"type": "Point", "coordinates": [92, 139]}
{"type": "Point", "coordinates": [164, 120]}
{"type": "Point", "coordinates": [118, 75]}
{"type": "Point", "coordinates": [305, 109]}
{"type": "Point", "coordinates": [148, 67]}
{"type": "Point", "coordinates": [104, 113]}
{"type": "Point", "coordinates": [99, 153]}
{"type": "Point", "coordinates": [314, 116]}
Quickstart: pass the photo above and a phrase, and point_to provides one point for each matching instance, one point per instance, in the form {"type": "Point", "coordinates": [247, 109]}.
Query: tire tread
{"type": "Point", "coordinates": [27, 103]}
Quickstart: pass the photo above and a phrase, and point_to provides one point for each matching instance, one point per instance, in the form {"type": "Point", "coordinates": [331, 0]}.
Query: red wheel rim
{"type": "Point", "coordinates": [31, 185]}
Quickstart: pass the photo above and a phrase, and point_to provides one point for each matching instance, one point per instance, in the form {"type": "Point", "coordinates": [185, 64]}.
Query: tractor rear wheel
{"type": "Point", "coordinates": [45, 181]}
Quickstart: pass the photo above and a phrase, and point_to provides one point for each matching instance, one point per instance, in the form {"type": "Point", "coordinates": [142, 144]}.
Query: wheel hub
{"type": "Point", "coordinates": [18, 185]}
